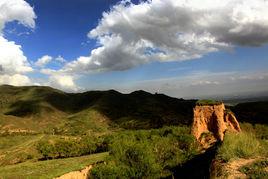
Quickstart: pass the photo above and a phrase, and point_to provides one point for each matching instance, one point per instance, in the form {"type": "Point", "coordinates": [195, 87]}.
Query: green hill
{"type": "Point", "coordinates": [39, 109]}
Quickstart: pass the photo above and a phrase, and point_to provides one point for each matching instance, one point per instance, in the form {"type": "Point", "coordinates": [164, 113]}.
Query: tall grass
{"type": "Point", "coordinates": [239, 145]}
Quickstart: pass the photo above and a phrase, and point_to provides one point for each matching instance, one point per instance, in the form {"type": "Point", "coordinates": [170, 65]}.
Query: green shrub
{"type": "Point", "coordinates": [63, 148]}
{"type": "Point", "coordinates": [146, 153]}
{"type": "Point", "coordinates": [108, 171]}
{"type": "Point", "coordinates": [46, 149]}
{"type": "Point", "coordinates": [239, 145]}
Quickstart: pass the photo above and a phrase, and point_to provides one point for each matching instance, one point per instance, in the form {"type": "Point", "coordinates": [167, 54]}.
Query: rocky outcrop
{"type": "Point", "coordinates": [211, 122]}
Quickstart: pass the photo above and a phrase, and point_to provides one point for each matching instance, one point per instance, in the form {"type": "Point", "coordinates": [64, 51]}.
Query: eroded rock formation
{"type": "Point", "coordinates": [212, 121]}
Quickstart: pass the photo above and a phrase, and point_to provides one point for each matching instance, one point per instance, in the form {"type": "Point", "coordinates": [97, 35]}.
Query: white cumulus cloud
{"type": "Point", "coordinates": [64, 82]}
{"type": "Point", "coordinates": [16, 80]}
{"type": "Point", "coordinates": [60, 59]}
{"type": "Point", "coordinates": [43, 61]}
{"type": "Point", "coordinates": [172, 30]}
{"type": "Point", "coordinates": [12, 59]}
{"type": "Point", "coordinates": [20, 10]}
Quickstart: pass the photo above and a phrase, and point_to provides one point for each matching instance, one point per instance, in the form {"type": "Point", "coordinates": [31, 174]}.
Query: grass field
{"type": "Point", "coordinates": [50, 168]}
{"type": "Point", "coordinates": [18, 148]}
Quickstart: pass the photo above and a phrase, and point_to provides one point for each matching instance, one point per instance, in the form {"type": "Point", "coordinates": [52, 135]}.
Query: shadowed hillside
{"type": "Point", "coordinates": [252, 112]}
{"type": "Point", "coordinates": [51, 107]}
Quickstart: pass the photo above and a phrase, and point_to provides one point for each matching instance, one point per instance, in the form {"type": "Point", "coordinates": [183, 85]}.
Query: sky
{"type": "Point", "coordinates": [183, 48]}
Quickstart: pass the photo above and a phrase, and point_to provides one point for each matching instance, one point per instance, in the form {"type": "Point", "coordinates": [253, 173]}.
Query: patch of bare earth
{"type": "Point", "coordinates": [82, 174]}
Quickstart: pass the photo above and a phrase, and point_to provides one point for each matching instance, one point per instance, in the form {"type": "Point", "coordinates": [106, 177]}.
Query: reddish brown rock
{"type": "Point", "coordinates": [231, 121]}
{"type": "Point", "coordinates": [213, 121]}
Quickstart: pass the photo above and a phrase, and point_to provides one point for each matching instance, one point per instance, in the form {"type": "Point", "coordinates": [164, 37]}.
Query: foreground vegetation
{"type": "Point", "coordinates": [146, 153]}
{"type": "Point", "coordinates": [250, 145]}
{"type": "Point", "coordinates": [252, 142]}
{"type": "Point", "coordinates": [241, 145]}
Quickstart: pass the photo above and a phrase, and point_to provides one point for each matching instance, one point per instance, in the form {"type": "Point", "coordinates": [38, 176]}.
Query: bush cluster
{"type": "Point", "coordinates": [146, 153]}
{"type": "Point", "coordinates": [68, 147]}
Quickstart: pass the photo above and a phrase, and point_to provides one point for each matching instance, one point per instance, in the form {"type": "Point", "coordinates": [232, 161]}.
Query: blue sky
{"type": "Point", "coordinates": [62, 28]}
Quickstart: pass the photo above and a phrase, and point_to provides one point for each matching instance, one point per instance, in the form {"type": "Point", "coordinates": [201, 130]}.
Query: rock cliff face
{"type": "Point", "coordinates": [211, 122]}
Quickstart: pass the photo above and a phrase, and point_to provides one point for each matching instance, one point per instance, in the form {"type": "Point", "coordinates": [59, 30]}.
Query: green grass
{"type": "Point", "coordinates": [17, 148]}
{"type": "Point", "coordinates": [256, 170]}
{"type": "Point", "coordinates": [239, 145]}
{"type": "Point", "coordinates": [207, 102]}
{"type": "Point", "coordinates": [7, 142]}
{"type": "Point", "coordinates": [260, 130]}
{"type": "Point", "coordinates": [89, 121]}
{"type": "Point", "coordinates": [50, 168]}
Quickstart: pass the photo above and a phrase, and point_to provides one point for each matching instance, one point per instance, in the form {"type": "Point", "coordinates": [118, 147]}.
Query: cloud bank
{"type": "Point", "coordinates": [203, 84]}
{"type": "Point", "coordinates": [12, 60]}
{"type": "Point", "coordinates": [172, 30]}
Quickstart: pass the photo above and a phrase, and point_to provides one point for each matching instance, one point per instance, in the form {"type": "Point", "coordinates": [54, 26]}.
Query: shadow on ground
{"type": "Point", "coordinates": [198, 167]}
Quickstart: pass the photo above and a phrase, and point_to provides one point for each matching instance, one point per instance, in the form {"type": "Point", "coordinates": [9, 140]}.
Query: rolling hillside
{"type": "Point", "coordinates": [37, 108]}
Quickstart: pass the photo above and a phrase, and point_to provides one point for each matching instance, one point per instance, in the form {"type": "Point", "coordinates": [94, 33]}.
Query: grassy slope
{"type": "Point", "coordinates": [26, 108]}
{"type": "Point", "coordinates": [17, 148]}
{"type": "Point", "coordinates": [38, 108]}
{"type": "Point", "coordinates": [50, 168]}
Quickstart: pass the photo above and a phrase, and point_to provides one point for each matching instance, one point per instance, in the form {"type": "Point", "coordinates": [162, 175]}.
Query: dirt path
{"type": "Point", "coordinates": [233, 167]}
